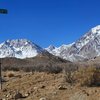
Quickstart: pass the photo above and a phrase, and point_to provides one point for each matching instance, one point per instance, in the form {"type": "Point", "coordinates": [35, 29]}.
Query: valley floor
{"type": "Point", "coordinates": [44, 86]}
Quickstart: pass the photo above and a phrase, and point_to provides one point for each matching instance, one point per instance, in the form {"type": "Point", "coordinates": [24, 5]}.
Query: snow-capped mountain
{"type": "Point", "coordinates": [87, 47]}
{"type": "Point", "coordinates": [20, 48]}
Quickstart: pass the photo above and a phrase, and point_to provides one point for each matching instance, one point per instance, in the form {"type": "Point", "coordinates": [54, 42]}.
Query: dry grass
{"type": "Point", "coordinates": [46, 85]}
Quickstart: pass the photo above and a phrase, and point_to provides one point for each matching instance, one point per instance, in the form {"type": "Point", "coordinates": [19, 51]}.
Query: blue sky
{"type": "Point", "coordinates": [48, 22]}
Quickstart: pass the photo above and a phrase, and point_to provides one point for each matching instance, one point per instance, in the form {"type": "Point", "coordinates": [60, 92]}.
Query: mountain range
{"type": "Point", "coordinates": [87, 47]}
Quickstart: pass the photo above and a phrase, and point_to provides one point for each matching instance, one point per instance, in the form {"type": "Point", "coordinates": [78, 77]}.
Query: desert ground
{"type": "Point", "coordinates": [19, 85]}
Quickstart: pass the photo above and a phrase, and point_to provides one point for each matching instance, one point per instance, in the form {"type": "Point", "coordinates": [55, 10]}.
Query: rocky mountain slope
{"type": "Point", "coordinates": [20, 48]}
{"type": "Point", "coordinates": [87, 47]}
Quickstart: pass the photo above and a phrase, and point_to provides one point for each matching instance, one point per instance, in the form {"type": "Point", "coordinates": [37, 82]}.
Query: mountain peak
{"type": "Point", "coordinates": [95, 29]}
{"type": "Point", "coordinates": [20, 48]}
{"type": "Point", "coordinates": [51, 47]}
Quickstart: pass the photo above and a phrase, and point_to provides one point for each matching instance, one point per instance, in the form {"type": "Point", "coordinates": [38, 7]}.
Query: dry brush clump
{"type": "Point", "coordinates": [11, 68]}
{"type": "Point", "coordinates": [89, 76]}
{"type": "Point", "coordinates": [69, 73]}
{"type": "Point", "coordinates": [49, 68]}
{"type": "Point", "coordinates": [10, 74]}
{"type": "Point", "coordinates": [84, 76]}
